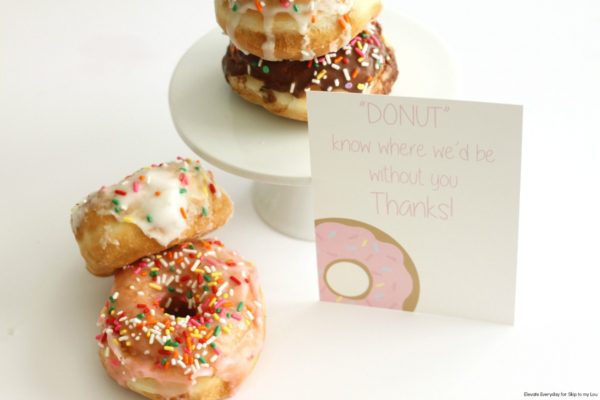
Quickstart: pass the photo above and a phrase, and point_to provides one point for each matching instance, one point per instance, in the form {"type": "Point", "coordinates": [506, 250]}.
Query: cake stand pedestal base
{"type": "Point", "coordinates": [287, 209]}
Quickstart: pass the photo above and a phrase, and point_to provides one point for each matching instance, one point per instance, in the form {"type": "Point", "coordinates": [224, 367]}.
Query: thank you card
{"type": "Point", "coordinates": [416, 203]}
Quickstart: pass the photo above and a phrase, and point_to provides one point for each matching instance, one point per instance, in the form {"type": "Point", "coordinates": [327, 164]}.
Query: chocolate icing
{"type": "Point", "coordinates": [350, 69]}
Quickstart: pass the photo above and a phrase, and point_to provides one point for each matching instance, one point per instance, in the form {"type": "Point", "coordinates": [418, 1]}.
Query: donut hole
{"type": "Point", "coordinates": [348, 278]}
{"type": "Point", "coordinates": [177, 305]}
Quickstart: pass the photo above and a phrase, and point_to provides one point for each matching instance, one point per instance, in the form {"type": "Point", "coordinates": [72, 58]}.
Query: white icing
{"type": "Point", "coordinates": [303, 15]}
{"type": "Point", "coordinates": [232, 23]}
{"type": "Point", "coordinates": [156, 199]}
{"type": "Point", "coordinates": [107, 238]}
{"type": "Point", "coordinates": [77, 214]}
{"type": "Point", "coordinates": [268, 47]}
{"type": "Point", "coordinates": [345, 38]}
{"type": "Point", "coordinates": [167, 221]}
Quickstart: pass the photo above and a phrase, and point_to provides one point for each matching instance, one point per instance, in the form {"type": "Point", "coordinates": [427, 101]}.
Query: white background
{"type": "Point", "coordinates": [83, 101]}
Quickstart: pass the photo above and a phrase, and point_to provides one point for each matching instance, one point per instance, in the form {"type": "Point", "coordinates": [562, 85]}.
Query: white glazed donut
{"type": "Point", "coordinates": [147, 212]}
{"type": "Point", "coordinates": [278, 30]}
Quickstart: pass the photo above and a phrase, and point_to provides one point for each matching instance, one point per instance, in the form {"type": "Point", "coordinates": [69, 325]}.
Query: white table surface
{"type": "Point", "coordinates": [83, 101]}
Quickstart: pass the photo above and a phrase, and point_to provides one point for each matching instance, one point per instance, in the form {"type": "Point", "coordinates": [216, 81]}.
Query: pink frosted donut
{"type": "Point", "coordinates": [184, 324]}
{"type": "Point", "coordinates": [360, 264]}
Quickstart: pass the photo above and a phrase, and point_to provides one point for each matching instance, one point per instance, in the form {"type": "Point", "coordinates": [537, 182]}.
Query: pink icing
{"type": "Point", "coordinates": [135, 361]}
{"type": "Point", "coordinates": [392, 283]}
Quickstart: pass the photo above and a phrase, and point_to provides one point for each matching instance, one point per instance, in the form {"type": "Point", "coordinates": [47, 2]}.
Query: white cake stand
{"type": "Point", "coordinates": [245, 140]}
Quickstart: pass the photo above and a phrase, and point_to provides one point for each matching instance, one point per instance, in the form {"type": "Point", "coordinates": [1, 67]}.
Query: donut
{"type": "Point", "coordinates": [147, 212]}
{"type": "Point", "coordinates": [187, 323]}
{"type": "Point", "coordinates": [365, 65]}
{"type": "Point", "coordinates": [278, 30]}
{"type": "Point", "coordinates": [360, 264]}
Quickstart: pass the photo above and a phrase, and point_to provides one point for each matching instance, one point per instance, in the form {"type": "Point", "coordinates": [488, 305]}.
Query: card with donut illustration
{"type": "Point", "coordinates": [416, 203]}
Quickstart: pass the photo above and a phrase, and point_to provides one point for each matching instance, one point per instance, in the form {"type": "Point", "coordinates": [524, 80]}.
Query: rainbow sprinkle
{"type": "Point", "coordinates": [146, 198]}
{"type": "Point", "coordinates": [191, 304]}
{"type": "Point", "coordinates": [352, 68]}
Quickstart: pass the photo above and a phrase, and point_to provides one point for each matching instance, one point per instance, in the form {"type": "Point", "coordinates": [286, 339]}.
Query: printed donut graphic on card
{"type": "Point", "coordinates": [361, 264]}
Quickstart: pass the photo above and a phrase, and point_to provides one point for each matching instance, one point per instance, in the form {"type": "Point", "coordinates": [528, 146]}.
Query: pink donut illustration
{"type": "Point", "coordinates": [360, 264]}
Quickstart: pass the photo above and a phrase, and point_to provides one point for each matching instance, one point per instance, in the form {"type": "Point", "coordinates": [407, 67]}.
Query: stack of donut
{"type": "Point", "coordinates": [280, 49]}
{"type": "Point", "coordinates": [184, 319]}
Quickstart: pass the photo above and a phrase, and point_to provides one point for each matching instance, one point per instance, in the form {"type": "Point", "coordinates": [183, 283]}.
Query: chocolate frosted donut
{"type": "Point", "coordinates": [293, 29]}
{"type": "Point", "coordinates": [365, 65]}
